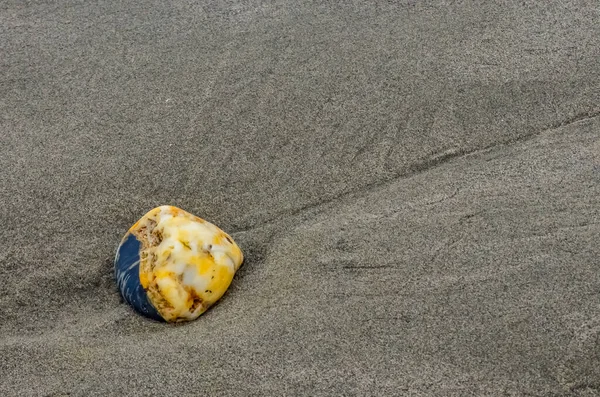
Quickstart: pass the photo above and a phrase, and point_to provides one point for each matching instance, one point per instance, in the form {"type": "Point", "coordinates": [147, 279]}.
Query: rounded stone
{"type": "Point", "coordinates": [172, 266]}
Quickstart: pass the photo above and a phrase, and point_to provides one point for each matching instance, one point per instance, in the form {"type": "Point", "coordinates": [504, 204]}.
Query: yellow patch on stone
{"type": "Point", "coordinates": [186, 263]}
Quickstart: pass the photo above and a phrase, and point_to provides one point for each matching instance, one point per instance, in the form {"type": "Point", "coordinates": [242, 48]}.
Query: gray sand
{"type": "Point", "coordinates": [415, 184]}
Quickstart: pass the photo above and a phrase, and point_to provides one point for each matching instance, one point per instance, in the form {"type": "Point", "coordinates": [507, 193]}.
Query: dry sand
{"type": "Point", "coordinates": [416, 186]}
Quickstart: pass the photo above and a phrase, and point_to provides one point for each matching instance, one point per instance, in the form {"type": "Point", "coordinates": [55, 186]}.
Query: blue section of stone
{"type": "Point", "coordinates": [127, 271]}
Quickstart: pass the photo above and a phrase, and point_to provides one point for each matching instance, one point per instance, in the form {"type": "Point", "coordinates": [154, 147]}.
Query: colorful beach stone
{"type": "Point", "coordinates": [172, 266]}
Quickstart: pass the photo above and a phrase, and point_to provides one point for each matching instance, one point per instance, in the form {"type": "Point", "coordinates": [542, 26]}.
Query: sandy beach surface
{"type": "Point", "coordinates": [415, 184]}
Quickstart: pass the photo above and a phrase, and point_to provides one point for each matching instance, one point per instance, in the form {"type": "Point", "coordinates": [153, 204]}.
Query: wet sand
{"type": "Point", "coordinates": [416, 187]}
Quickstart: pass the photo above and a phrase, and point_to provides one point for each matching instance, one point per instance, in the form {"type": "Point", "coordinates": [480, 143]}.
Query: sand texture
{"type": "Point", "coordinates": [415, 186]}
